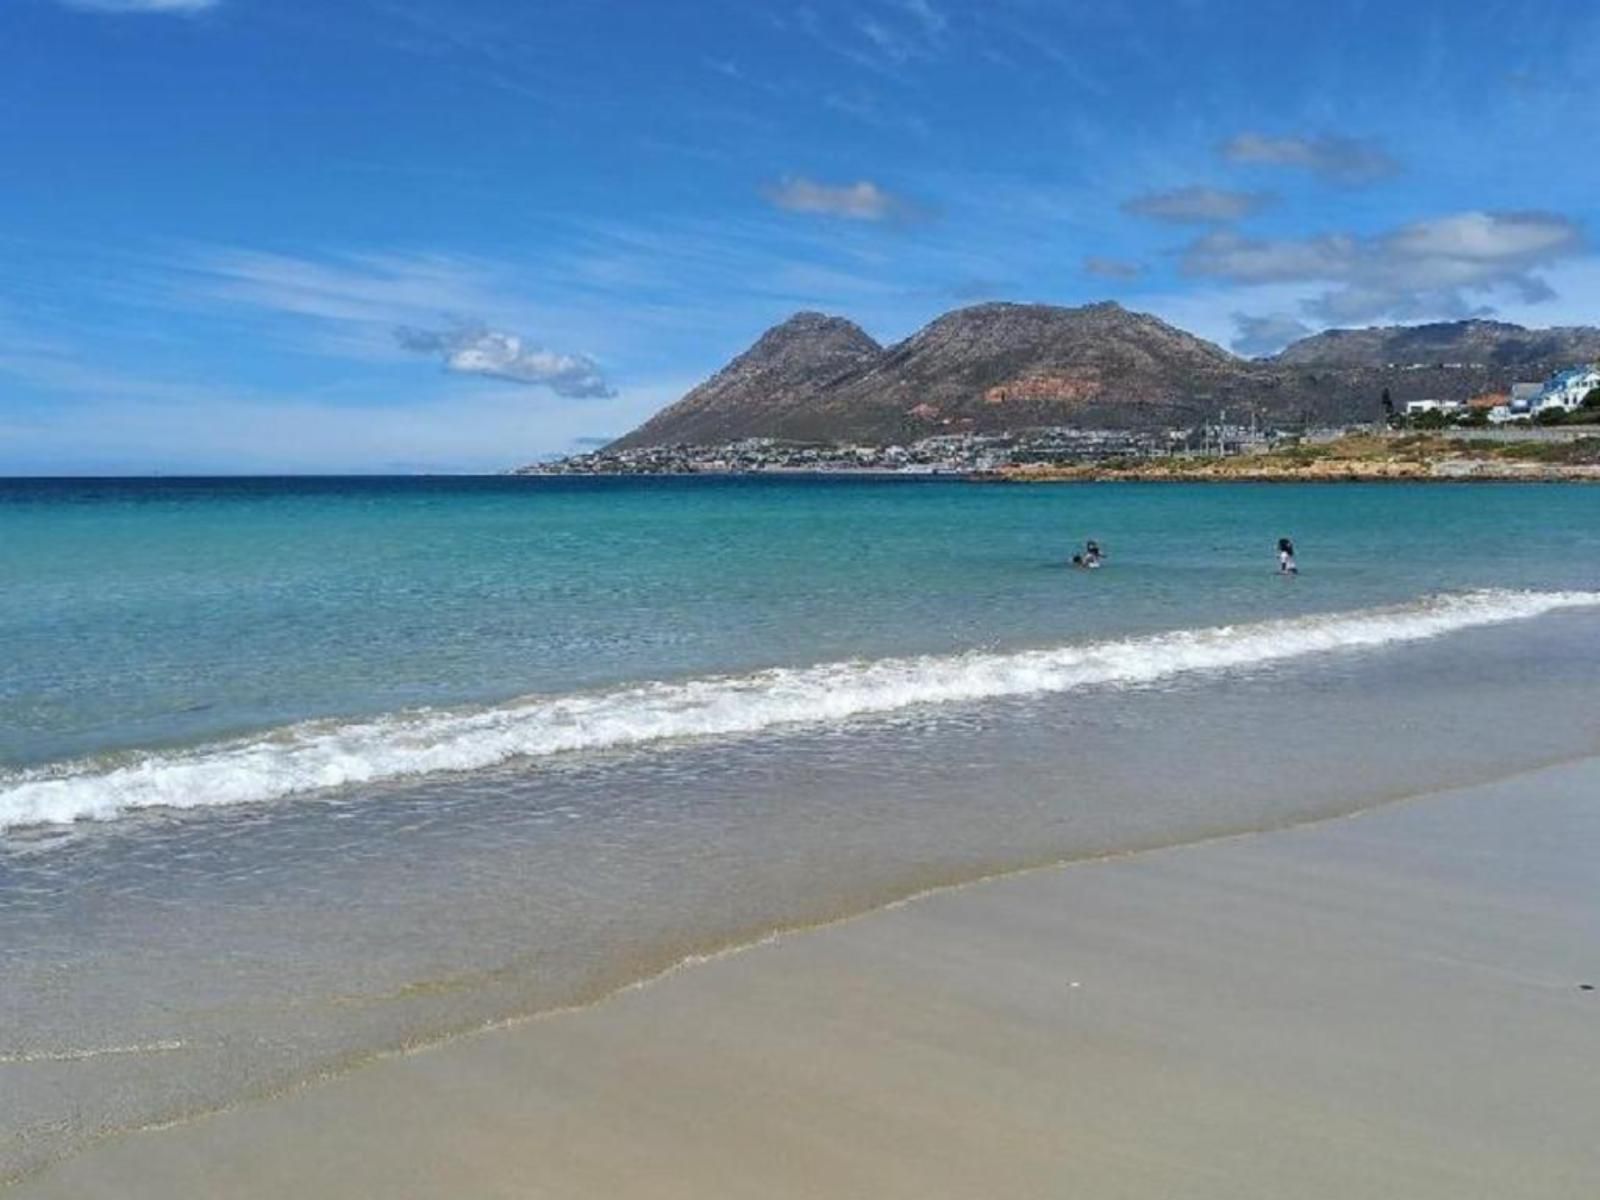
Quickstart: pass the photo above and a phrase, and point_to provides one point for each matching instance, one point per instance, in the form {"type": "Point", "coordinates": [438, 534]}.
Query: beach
{"type": "Point", "coordinates": [308, 786]}
{"type": "Point", "coordinates": [1386, 1004]}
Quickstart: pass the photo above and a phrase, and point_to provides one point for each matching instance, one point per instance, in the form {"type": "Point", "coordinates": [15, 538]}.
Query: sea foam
{"type": "Point", "coordinates": [318, 755]}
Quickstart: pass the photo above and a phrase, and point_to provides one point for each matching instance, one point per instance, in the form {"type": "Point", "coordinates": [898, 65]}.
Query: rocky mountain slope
{"type": "Point", "coordinates": [998, 367]}
{"type": "Point", "coordinates": [1494, 343]}
{"type": "Point", "coordinates": [777, 384]}
{"type": "Point", "coordinates": [1008, 366]}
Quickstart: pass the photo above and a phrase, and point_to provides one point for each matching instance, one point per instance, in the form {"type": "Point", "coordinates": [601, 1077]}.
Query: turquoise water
{"type": "Point", "coordinates": [155, 613]}
{"type": "Point", "coordinates": [371, 762]}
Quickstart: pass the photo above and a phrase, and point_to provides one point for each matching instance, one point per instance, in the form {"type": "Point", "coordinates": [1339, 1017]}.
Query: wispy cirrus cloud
{"type": "Point", "coordinates": [1333, 157]}
{"type": "Point", "coordinates": [932, 21]}
{"type": "Point", "coordinates": [1197, 205]}
{"type": "Point", "coordinates": [140, 6]}
{"type": "Point", "coordinates": [1424, 269]}
{"type": "Point", "coordinates": [374, 288]}
{"type": "Point", "coordinates": [453, 309]}
{"type": "Point", "coordinates": [859, 201]}
{"type": "Point", "coordinates": [1111, 268]}
{"type": "Point", "coordinates": [498, 355]}
{"type": "Point", "coordinates": [909, 29]}
{"type": "Point", "coordinates": [868, 109]}
{"type": "Point", "coordinates": [886, 38]}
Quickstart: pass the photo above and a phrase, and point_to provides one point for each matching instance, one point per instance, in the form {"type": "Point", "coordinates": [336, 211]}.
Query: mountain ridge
{"type": "Point", "coordinates": [1003, 366]}
{"type": "Point", "coordinates": [1472, 340]}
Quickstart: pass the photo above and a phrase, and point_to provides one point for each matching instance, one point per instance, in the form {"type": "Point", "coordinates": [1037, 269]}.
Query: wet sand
{"type": "Point", "coordinates": [1388, 1005]}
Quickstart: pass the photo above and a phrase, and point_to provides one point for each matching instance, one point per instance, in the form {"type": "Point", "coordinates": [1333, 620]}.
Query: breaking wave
{"type": "Point", "coordinates": [318, 755]}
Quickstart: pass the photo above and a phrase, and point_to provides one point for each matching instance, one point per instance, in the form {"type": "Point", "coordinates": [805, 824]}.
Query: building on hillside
{"type": "Point", "coordinates": [1567, 389]}
{"type": "Point", "coordinates": [1493, 406]}
{"type": "Point", "coordinates": [1448, 408]}
{"type": "Point", "coordinates": [1519, 405]}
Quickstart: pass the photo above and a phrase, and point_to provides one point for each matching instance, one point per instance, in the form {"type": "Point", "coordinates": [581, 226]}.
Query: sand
{"type": "Point", "coordinates": [1388, 1005]}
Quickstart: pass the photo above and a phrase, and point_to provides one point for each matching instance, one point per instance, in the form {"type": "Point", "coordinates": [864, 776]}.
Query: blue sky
{"type": "Point", "coordinates": [259, 235]}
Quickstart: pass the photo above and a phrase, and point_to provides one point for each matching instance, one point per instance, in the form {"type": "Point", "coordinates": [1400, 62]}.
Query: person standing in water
{"type": "Point", "coordinates": [1286, 563]}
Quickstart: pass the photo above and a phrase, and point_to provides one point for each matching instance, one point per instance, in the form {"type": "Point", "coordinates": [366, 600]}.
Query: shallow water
{"type": "Point", "coordinates": [828, 694]}
{"type": "Point", "coordinates": [158, 612]}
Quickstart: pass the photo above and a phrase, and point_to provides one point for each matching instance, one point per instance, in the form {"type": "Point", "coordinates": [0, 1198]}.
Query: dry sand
{"type": "Point", "coordinates": [1383, 1006]}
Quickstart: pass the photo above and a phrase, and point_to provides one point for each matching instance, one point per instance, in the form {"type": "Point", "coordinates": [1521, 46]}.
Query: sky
{"type": "Point", "coordinates": [460, 235]}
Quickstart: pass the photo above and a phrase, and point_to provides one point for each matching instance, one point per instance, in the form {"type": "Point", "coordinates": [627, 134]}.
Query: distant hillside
{"type": "Point", "coordinates": [998, 367]}
{"type": "Point", "coordinates": [1493, 343]}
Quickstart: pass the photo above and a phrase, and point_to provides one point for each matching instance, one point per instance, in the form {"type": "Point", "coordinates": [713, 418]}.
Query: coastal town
{"type": "Point", "coordinates": [946, 454]}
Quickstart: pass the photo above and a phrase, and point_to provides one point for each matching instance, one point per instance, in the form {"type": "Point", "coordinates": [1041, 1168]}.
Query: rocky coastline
{"type": "Point", "coordinates": [1356, 459]}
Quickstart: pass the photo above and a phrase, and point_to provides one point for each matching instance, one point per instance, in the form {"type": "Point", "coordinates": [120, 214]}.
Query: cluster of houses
{"type": "Point", "coordinates": [963, 453]}
{"type": "Point", "coordinates": [1564, 392]}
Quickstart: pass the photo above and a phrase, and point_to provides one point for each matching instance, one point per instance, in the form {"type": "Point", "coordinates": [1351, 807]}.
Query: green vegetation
{"type": "Point", "coordinates": [1303, 455]}
{"type": "Point", "coordinates": [1585, 451]}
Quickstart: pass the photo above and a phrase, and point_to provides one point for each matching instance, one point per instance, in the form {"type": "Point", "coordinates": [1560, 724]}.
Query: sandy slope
{"type": "Point", "coordinates": [1384, 1006]}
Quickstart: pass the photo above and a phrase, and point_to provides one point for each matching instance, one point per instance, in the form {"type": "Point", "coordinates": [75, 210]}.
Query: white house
{"type": "Point", "coordinates": [1416, 408]}
{"type": "Point", "coordinates": [1519, 406]}
{"type": "Point", "coordinates": [1567, 389]}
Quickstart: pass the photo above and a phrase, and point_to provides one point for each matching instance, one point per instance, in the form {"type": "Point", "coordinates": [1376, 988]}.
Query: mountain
{"type": "Point", "coordinates": [988, 368]}
{"type": "Point", "coordinates": [1492, 343]}
{"type": "Point", "coordinates": [770, 389]}
{"type": "Point", "coordinates": [998, 367]}
{"type": "Point", "coordinates": [1007, 366]}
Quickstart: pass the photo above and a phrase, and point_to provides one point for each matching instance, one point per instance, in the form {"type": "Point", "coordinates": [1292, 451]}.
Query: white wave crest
{"type": "Point", "coordinates": [317, 755]}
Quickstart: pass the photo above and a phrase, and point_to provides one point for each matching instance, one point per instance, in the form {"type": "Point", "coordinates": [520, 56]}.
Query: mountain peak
{"type": "Point", "coordinates": [812, 326]}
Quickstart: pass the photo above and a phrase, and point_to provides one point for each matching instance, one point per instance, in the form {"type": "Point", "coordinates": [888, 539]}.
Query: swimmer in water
{"type": "Point", "coordinates": [1286, 563]}
{"type": "Point", "coordinates": [1092, 554]}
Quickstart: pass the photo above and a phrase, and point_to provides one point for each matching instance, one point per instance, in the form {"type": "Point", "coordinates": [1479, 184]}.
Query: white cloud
{"type": "Point", "coordinates": [861, 201]}
{"type": "Point", "coordinates": [1338, 159]}
{"type": "Point", "coordinates": [1111, 268]}
{"type": "Point", "coordinates": [1424, 269]}
{"type": "Point", "coordinates": [141, 6]}
{"type": "Point", "coordinates": [1266, 334]}
{"type": "Point", "coordinates": [497, 355]}
{"type": "Point", "coordinates": [1488, 237]}
{"type": "Point", "coordinates": [1196, 205]}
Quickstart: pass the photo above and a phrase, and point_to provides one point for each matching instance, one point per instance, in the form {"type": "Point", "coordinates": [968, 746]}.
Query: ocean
{"type": "Point", "coordinates": [297, 772]}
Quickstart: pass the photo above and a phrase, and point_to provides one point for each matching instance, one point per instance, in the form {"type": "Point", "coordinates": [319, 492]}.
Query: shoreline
{"type": "Point", "coordinates": [1218, 471]}
{"type": "Point", "coordinates": [1155, 472]}
{"type": "Point", "coordinates": [719, 1003]}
